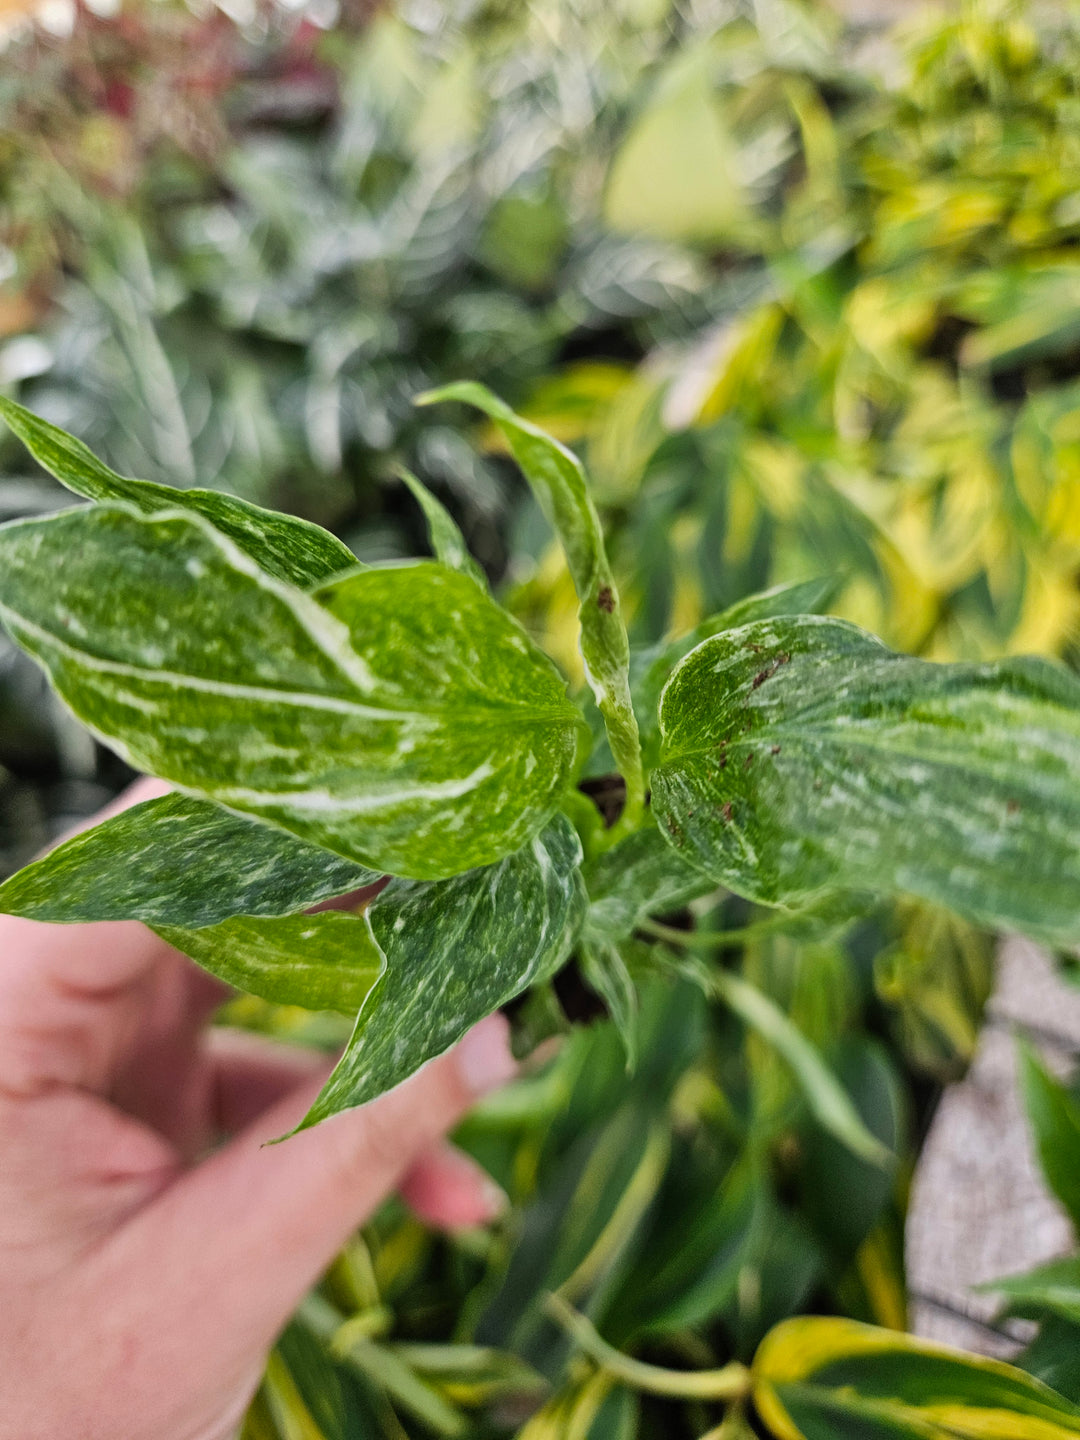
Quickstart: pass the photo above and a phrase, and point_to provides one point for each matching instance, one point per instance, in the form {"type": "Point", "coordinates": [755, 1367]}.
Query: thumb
{"type": "Point", "coordinates": [255, 1225]}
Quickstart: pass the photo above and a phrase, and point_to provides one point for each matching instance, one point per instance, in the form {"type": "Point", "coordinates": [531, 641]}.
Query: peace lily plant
{"type": "Point", "coordinates": [331, 728]}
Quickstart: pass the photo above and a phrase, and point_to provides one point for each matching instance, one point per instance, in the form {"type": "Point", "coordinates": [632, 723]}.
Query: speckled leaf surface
{"type": "Point", "coordinates": [827, 1379]}
{"type": "Point", "coordinates": [292, 549]}
{"type": "Point", "coordinates": [455, 951]}
{"type": "Point", "coordinates": [641, 875]}
{"type": "Point", "coordinates": [651, 668]}
{"type": "Point", "coordinates": [401, 719]}
{"type": "Point", "coordinates": [327, 961]}
{"type": "Point", "coordinates": [558, 479]}
{"type": "Point", "coordinates": [178, 861]}
{"type": "Point", "coordinates": [802, 755]}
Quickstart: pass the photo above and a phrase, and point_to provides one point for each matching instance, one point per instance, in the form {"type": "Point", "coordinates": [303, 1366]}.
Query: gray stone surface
{"type": "Point", "coordinates": [979, 1208]}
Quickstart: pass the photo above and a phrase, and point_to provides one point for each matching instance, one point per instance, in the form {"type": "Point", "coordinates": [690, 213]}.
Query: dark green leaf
{"type": "Point", "coordinates": [1052, 1289]}
{"type": "Point", "coordinates": [455, 951]}
{"type": "Point", "coordinates": [802, 755]}
{"type": "Point", "coordinates": [292, 550]}
{"type": "Point", "coordinates": [401, 718]}
{"type": "Point", "coordinates": [1054, 1357]}
{"type": "Point", "coordinates": [178, 861]}
{"type": "Point", "coordinates": [1054, 1116]}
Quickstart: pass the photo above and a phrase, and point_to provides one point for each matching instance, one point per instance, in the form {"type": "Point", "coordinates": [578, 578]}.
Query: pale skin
{"type": "Point", "coordinates": [144, 1270]}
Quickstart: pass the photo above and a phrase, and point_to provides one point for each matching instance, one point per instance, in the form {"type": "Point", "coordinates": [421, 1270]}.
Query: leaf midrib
{"type": "Point", "coordinates": [312, 699]}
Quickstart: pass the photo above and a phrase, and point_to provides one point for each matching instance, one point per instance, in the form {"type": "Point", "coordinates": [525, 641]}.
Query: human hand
{"type": "Point", "coordinates": [143, 1280]}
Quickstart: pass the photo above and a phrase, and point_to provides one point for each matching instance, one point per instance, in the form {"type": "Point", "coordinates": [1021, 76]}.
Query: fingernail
{"type": "Point", "coordinates": [484, 1058]}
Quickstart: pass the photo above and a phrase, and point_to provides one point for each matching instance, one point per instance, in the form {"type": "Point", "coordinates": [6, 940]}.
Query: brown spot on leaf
{"type": "Point", "coordinates": [725, 810]}
{"type": "Point", "coordinates": [748, 761]}
{"type": "Point", "coordinates": [1013, 806]}
{"type": "Point", "coordinates": [606, 599]}
{"type": "Point", "coordinates": [775, 750]}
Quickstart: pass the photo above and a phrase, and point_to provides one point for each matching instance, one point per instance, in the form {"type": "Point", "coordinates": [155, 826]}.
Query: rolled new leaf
{"type": "Point", "coordinates": [801, 756]}
{"type": "Point", "coordinates": [293, 550]}
{"type": "Point", "coordinates": [402, 719]}
{"type": "Point", "coordinates": [826, 1379]}
{"type": "Point", "coordinates": [605, 972]}
{"type": "Point", "coordinates": [559, 482]}
{"type": "Point", "coordinates": [454, 952]}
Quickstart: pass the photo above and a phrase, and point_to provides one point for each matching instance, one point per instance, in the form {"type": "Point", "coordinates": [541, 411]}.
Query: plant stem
{"type": "Point", "coordinates": [729, 1383]}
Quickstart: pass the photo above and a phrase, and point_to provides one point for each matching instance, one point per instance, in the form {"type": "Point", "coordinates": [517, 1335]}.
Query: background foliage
{"type": "Point", "coordinates": [808, 303]}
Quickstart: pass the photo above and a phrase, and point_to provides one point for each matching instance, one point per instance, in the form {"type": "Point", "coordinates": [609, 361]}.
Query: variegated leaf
{"type": "Point", "coordinates": [179, 861]}
{"type": "Point", "coordinates": [605, 972]}
{"type": "Point", "coordinates": [293, 550]}
{"type": "Point", "coordinates": [455, 951]}
{"type": "Point", "coordinates": [401, 718]}
{"type": "Point", "coordinates": [327, 961]}
{"type": "Point", "coordinates": [651, 668]}
{"type": "Point", "coordinates": [802, 756]}
{"type": "Point", "coordinates": [826, 1379]}
{"type": "Point", "coordinates": [446, 539]}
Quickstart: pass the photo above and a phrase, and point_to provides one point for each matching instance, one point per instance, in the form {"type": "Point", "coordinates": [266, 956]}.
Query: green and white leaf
{"type": "Point", "coordinates": [802, 755]}
{"type": "Point", "coordinates": [650, 669]}
{"type": "Point", "coordinates": [446, 538]}
{"type": "Point", "coordinates": [829, 1379]}
{"type": "Point", "coordinates": [182, 862]}
{"type": "Point", "coordinates": [293, 550]}
{"type": "Point", "coordinates": [454, 952]}
{"type": "Point", "coordinates": [640, 875]}
{"type": "Point", "coordinates": [327, 961]}
{"type": "Point", "coordinates": [561, 486]}
{"type": "Point", "coordinates": [401, 718]}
